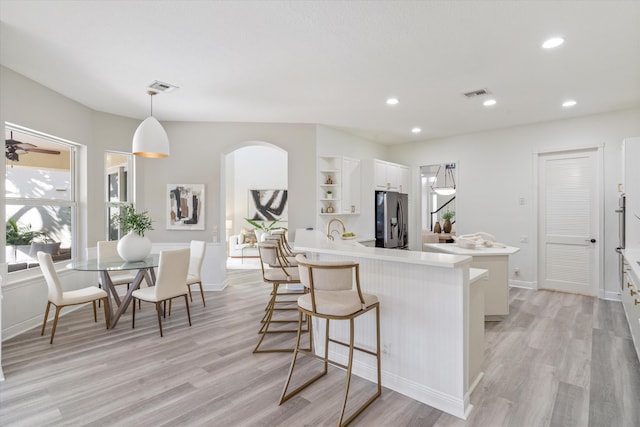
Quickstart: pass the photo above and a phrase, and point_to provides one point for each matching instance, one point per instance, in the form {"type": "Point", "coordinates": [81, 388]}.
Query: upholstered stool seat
{"type": "Point", "coordinates": [336, 303]}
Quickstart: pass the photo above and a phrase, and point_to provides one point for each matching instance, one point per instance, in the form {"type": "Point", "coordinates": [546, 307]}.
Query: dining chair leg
{"type": "Point", "coordinates": [190, 296]}
{"type": "Point", "coordinates": [106, 311]}
{"type": "Point", "coordinates": [55, 323]}
{"type": "Point", "coordinates": [158, 309]}
{"type": "Point", "coordinates": [204, 304]}
{"type": "Point", "coordinates": [95, 313]}
{"type": "Point", "coordinates": [46, 315]}
{"type": "Point", "coordinates": [187, 304]}
{"type": "Point", "coordinates": [133, 314]}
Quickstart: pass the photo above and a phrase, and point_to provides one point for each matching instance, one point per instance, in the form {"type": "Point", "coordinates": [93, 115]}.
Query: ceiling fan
{"type": "Point", "coordinates": [14, 148]}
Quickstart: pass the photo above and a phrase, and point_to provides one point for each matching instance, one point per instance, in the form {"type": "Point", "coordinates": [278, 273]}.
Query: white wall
{"type": "Point", "coordinates": [496, 169]}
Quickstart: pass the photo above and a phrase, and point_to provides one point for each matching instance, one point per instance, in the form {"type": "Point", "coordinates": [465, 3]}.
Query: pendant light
{"type": "Point", "coordinates": [449, 187]}
{"type": "Point", "coordinates": [150, 139]}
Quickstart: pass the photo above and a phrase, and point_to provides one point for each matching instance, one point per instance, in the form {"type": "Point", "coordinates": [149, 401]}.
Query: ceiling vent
{"type": "Point", "coordinates": [162, 87]}
{"type": "Point", "coordinates": [478, 92]}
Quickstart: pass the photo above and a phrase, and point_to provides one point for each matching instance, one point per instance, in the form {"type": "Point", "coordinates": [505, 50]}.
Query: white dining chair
{"type": "Point", "coordinates": [60, 298]}
{"type": "Point", "coordinates": [173, 268]}
{"type": "Point", "coordinates": [198, 249]}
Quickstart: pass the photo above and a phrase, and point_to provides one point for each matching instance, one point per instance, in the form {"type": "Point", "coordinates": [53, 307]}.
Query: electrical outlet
{"type": "Point", "coordinates": [516, 271]}
{"type": "Point", "coordinates": [386, 348]}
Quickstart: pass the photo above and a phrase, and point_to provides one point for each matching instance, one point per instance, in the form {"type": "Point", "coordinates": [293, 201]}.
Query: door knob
{"type": "Point", "coordinates": [590, 240]}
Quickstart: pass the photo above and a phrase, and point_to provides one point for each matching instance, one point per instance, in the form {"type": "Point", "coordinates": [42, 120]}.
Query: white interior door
{"type": "Point", "coordinates": [568, 221]}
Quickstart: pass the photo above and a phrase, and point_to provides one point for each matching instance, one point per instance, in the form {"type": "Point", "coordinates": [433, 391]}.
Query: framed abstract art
{"type": "Point", "coordinates": [185, 207]}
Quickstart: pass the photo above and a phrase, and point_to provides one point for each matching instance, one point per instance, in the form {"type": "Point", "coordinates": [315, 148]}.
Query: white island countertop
{"type": "Point", "coordinates": [452, 248]}
{"type": "Point", "coordinates": [316, 241]}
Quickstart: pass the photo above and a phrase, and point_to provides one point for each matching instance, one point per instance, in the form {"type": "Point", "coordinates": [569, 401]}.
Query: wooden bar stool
{"type": "Point", "coordinates": [331, 297]}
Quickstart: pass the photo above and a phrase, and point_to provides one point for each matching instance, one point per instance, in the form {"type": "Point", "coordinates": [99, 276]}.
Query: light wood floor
{"type": "Point", "coordinates": [557, 360]}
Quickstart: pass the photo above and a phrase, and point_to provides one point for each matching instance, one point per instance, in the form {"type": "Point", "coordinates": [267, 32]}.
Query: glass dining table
{"type": "Point", "coordinates": [105, 265]}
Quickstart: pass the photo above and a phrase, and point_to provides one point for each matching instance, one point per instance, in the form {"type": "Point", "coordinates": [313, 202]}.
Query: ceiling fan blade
{"type": "Point", "coordinates": [18, 144]}
{"type": "Point", "coordinates": [41, 150]}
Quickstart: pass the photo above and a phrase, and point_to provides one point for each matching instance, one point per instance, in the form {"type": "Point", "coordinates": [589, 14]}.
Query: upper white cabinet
{"type": "Point", "coordinates": [338, 185]}
{"type": "Point", "coordinates": [391, 176]}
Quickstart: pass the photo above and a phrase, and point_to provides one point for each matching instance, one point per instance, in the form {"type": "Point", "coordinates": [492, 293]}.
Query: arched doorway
{"type": "Point", "coordinates": [251, 170]}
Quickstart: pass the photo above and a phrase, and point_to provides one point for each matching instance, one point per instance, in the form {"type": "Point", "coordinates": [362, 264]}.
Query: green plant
{"type": "Point", "coordinates": [129, 220]}
{"type": "Point", "coordinates": [20, 235]}
{"type": "Point", "coordinates": [263, 226]}
{"type": "Point", "coordinates": [448, 215]}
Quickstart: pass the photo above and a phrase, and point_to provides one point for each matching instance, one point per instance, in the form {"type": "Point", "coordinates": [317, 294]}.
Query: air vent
{"type": "Point", "coordinates": [478, 92]}
{"type": "Point", "coordinates": [162, 87]}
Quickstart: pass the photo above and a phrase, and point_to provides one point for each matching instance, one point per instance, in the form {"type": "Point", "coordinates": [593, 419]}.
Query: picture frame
{"type": "Point", "coordinates": [268, 205]}
{"type": "Point", "coordinates": [185, 206]}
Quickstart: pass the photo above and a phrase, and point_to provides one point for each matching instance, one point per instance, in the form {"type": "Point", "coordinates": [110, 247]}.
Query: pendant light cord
{"type": "Point", "coordinates": [151, 93]}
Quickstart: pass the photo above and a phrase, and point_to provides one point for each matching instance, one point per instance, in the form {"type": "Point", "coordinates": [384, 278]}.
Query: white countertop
{"type": "Point", "coordinates": [476, 274]}
{"type": "Point", "coordinates": [315, 241]}
{"type": "Point", "coordinates": [452, 248]}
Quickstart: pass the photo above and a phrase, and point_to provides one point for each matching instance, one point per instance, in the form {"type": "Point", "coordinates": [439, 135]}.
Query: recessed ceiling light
{"type": "Point", "coordinates": [489, 102]}
{"type": "Point", "coordinates": [553, 42]}
{"type": "Point", "coordinates": [569, 103]}
{"type": "Point", "coordinates": [392, 101]}
{"type": "Point", "coordinates": [416, 130]}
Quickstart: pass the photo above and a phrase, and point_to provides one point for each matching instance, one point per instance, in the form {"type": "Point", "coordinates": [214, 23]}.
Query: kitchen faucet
{"type": "Point", "coordinates": [344, 229]}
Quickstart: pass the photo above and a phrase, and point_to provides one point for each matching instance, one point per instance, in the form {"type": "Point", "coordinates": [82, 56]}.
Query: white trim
{"type": "Point", "coordinates": [523, 284]}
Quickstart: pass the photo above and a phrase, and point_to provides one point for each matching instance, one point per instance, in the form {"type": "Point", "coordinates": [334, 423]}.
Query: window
{"type": "Point", "coordinates": [40, 200]}
{"type": "Point", "coordinates": [118, 188]}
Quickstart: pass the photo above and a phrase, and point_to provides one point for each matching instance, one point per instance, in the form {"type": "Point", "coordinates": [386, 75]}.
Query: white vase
{"type": "Point", "coordinates": [133, 247]}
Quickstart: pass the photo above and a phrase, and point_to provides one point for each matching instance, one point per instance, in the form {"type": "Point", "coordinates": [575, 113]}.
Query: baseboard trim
{"type": "Point", "coordinates": [523, 284]}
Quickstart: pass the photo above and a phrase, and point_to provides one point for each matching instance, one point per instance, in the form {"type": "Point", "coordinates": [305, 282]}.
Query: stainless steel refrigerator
{"type": "Point", "coordinates": [391, 220]}
{"type": "Point", "coordinates": [621, 236]}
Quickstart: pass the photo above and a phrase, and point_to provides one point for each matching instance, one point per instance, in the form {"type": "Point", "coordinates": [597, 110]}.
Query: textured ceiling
{"type": "Point", "coordinates": [332, 62]}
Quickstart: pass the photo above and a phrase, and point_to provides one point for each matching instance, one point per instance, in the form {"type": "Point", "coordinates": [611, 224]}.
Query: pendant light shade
{"type": "Point", "coordinates": [447, 188]}
{"type": "Point", "coordinates": [150, 139]}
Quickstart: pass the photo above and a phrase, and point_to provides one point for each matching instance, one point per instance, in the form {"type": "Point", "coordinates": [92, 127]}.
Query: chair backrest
{"type": "Point", "coordinates": [172, 273]}
{"type": "Point", "coordinates": [268, 253]}
{"type": "Point", "coordinates": [198, 248]}
{"type": "Point", "coordinates": [107, 249]}
{"type": "Point", "coordinates": [51, 277]}
{"type": "Point", "coordinates": [327, 275]}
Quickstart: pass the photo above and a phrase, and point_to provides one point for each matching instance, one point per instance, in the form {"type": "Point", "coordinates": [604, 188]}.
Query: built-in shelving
{"type": "Point", "coordinates": [338, 186]}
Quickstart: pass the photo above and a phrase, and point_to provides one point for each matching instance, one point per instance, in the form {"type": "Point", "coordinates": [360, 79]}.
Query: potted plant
{"type": "Point", "coordinates": [134, 246]}
{"type": "Point", "coordinates": [329, 194]}
{"type": "Point", "coordinates": [262, 227]}
{"type": "Point", "coordinates": [447, 216]}
{"type": "Point", "coordinates": [18, 238]}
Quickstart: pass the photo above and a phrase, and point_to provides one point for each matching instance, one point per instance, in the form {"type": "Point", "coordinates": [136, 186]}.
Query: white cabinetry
{"type": "Point", "coordinates": [390, 176]}
{"type": "Point", "coordinates": [338, 185]}
{"type": "Point", "coordinates": [631, 295]}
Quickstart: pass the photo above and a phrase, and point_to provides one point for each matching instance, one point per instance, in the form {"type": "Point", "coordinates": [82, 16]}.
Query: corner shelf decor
{"type": "Point", "coordinates": [338, 185]}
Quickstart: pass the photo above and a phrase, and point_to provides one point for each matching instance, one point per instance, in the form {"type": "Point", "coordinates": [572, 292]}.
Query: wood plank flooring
{"type": "Point", "coordinates": [557, 360]}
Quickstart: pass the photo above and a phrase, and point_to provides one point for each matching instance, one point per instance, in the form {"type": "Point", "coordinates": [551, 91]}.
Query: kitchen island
{"type": "Point", "coordinates": [432, 320]}
{"type": "Point", "coordinates": [496, 261]}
